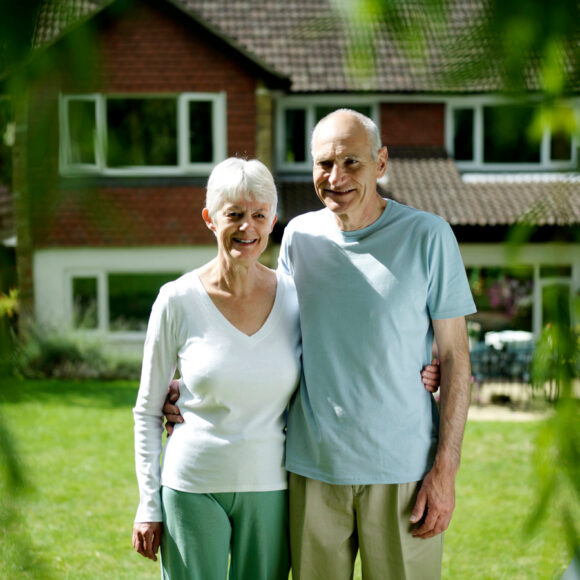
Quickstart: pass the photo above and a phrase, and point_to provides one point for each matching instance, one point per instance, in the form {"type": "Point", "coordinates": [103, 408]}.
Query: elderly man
{"type": "Point", "coordinates": [372, 468]}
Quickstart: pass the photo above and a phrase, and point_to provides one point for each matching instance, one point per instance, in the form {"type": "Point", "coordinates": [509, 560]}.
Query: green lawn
{"type": "Point", "coordinates": [74, 443]}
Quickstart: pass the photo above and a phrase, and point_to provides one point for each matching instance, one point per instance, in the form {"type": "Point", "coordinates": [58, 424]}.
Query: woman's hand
{"type": "Point", "coordinates": [146, 538]}
{"type": "Point", "coordinates": [431, 376]}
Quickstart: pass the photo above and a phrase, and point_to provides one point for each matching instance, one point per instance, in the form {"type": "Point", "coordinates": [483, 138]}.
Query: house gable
{"type": "Point", "coordinates": [153, 49]}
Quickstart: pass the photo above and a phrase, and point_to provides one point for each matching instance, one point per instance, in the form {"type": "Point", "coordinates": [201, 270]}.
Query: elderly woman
{"type": "Point", "coordinates": [231, 329]}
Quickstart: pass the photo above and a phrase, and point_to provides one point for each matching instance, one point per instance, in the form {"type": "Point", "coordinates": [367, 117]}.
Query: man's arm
{"type": "Point", "coordinates": [170, 410]}
{"type": "Point", "coordinates": [436, 497]}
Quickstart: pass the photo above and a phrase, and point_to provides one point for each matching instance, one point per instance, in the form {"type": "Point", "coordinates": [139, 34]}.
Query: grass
{"type": "Point", "coordinates": [73, 520]}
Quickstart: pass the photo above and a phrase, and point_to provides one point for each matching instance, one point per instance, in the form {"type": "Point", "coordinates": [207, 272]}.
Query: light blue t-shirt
{"type": "Point", "coordinates": [367, 297]}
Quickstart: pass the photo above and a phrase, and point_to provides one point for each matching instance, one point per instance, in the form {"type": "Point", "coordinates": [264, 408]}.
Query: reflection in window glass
{"type": "Point", "coordinates": [505, 130]}
{"type": "Point", "coordinates": [295, 130]}
{"type": "Point", "coordinates": [200, 132]}
{"type": "Point", "coordinates": [85, 313]}
{"type": "Point", "coordinates": [142, 132]}
{"type": "Point", "coordinates": [561, 146]}
{"type": "Point", "coordinates": [504, 298]}
{"type": "Point", "coordinates": [556, 305]}
{"type": "Point", "coordinates": [556, 271]}
{"type": "Point", "coordinates": [131, 297]}
{"type": "Point", "coordinates": [82, 127]}
{"type": "Point", "coordinates": [463, 134]}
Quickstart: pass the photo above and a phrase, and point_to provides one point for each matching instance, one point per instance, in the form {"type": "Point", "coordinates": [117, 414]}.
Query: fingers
{"type": "Point", "coordinates": [420, 507]}
{"type": "Point", "coordinates": [432, 512]}
{"type": "Point", "coordinates": [433, 525]}
{"type": "Point", "coordinates": [147, 538]}
{"type": "Point", "coordinates": [171, 415]}
{"type": "Point", "coordinates": [173, 391]}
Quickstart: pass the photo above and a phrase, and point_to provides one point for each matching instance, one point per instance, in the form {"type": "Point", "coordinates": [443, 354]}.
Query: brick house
{"type": "Point", "coordinates": [114, 192]}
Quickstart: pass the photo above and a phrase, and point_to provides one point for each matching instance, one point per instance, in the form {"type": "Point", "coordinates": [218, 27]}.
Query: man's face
{"type": "Point", "coordinates": [344, 173]}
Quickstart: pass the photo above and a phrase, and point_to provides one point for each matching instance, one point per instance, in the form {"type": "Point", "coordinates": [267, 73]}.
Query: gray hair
{"type": "Point", "coordinates": [235, 180]}
{"type": "Point", "coordinates": [368, 124]}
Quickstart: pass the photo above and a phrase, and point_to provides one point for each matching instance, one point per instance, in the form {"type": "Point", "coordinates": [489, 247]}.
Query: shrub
{"type": "Point", "coordinates": [64, 354]}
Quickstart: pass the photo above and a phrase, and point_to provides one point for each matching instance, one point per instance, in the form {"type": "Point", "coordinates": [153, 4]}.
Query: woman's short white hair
{"type": "Point", "coordinates": [235, 180]}
{"type": "Point", "coordinates": [369, 125]}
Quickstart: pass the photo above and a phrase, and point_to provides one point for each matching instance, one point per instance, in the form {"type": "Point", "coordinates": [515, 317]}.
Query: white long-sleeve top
{"type": "Point", "coordinates": [233, 396]}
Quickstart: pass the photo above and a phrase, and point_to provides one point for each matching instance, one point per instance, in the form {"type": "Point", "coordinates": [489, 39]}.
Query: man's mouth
{"type": "Point", "coordinates": [339, 191]}
{"type": "Point", "coordinates": [245, 242]}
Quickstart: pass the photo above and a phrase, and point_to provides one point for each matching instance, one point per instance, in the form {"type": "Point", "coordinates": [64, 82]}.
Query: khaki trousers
{"type": "Point", "coordinates": [330, 523]}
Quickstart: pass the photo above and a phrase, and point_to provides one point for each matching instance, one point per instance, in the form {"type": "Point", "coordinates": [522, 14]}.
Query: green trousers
{"type": "Point", "coordinates": [202, 532]}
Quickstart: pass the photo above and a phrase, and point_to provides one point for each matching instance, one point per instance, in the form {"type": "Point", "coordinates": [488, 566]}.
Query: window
{"type": "Point", "coordinates": [505, 135]}
{"type": "Point", "coordinates": [504, 298]}
{"type": "Point", "coordinates": [296, 120]}
{"type": "Point", "coordinates": [497, 136]}
{"type": "Point", "coordinates": [142, 135]}
{"type": "Point", "coordinates": [85, 305]}
{"type": "Point", "coordinates": [115, 302]}
{"type": "Point", "coordinates": [142, 132]}
{"type": "Point", "coordinates": [131, 297]}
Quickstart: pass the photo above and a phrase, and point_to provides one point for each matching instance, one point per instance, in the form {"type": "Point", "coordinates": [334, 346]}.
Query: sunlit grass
{"type": "Point", "coordinates": [75, 444]}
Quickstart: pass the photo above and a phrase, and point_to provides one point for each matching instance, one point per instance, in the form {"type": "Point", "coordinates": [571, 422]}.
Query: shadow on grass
{"type": "Point", "coordinates": [99, 394]}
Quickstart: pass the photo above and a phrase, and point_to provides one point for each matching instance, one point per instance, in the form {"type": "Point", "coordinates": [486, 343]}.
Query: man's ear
{"type": "Point", "coordinates": [207, 219]}
{"type": "Point", "coordinates": [382, 157]}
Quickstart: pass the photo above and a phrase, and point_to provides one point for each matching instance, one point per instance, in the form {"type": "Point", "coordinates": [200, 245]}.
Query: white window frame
{"type": "Point", "coordinates": [183, 167]}
{"type": "Point", "coordinates": [309, 105]}
{"type": "Point", "coordinates": [102, 301]}
{"type": "Point", "coordinates": [477, 104]}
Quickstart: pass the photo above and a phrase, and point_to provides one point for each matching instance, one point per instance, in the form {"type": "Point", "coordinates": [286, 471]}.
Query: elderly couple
{"type": "Point", "coordinates": [362, 287]}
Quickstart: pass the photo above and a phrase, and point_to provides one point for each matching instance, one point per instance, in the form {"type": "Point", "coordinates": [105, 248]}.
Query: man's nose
{"type": "Point", "coordinates": [335, 174]}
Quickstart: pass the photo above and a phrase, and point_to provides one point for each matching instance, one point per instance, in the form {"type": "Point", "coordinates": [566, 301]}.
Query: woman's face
{"type": "Point", "coordinates": [242, 228]}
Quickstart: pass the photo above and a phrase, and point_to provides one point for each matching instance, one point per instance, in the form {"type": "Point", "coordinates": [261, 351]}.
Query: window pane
{"type": "Point", "coordinates": [295, 128]}
{"type": "Point", "coordinates": [556, 271]}
{"type": "Point", "coordinates": [556, 305]}
{"type": "Point", "coordinates": [131, 297]}
{"type": "Point", "coordinates": [504, 298]}
{"type": "Point", "coordinates": [505, 135]}
{"type": "Point", "coordinates": [82, 127]}
{"type": "Point", "coordinates": [463, 134]}
{"type": "Point", "coordinates": [142, 132]}
{"type": "Point", "coordinates": [85, 313]}
{"type": "Point", "coordinates": [201, 144]}
{"type": "Point", "coordinates": [561, 147]}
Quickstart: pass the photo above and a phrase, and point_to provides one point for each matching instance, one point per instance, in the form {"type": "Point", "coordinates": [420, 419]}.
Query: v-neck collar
{"type": "Point", "coordinates": [231, 328]}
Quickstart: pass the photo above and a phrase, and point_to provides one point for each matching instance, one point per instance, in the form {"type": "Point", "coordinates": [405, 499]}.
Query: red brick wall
{"type": "Point", "coordinates": [126, 217]}
{"type": "Point", "coordinates": [151, 51]}
{"type": "Point", "coordinates": [148, 50]}
{"type": "Point", "coordinates": [413, 124]}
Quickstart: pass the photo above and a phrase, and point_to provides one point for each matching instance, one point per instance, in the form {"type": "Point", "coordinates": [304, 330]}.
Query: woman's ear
{"type": "Point", "coordinates": [207, 219]}
{"type": "Point", "coordinates": [274, 222]}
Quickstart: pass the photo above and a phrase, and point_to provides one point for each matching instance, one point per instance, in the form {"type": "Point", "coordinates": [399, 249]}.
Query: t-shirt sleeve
{"type": "Point", "coordinates": [449, 294]}
{"type": "Point", "coordinates": [284, 265]}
